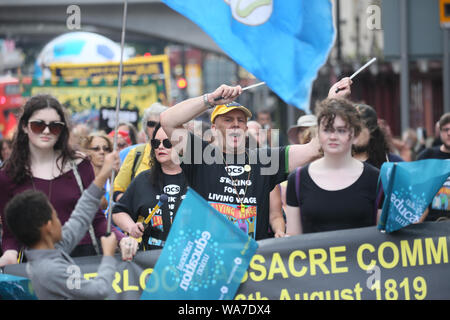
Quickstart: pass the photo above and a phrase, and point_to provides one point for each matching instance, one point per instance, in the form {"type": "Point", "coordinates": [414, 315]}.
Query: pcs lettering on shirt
{"type": "Point", "coordinates": [141, 197]}
{"type": "Point", "coordinates": [237, 190]}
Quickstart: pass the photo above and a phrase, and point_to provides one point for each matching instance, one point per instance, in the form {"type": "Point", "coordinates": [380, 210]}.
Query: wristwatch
{"type": "Point", "coordinates": [206, 102]}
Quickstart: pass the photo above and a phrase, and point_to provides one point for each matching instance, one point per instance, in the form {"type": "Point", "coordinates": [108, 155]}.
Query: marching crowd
{"type": "Point", "coordinates": [55, 188]}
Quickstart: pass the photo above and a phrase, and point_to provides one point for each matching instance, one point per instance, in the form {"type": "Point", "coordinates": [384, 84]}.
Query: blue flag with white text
{"type": "Point", "coordinates": [204, 258]}
{"type": "Point", "coordinates": [281, 42]}
{"type": "Point", "coordinates": [409, 188]}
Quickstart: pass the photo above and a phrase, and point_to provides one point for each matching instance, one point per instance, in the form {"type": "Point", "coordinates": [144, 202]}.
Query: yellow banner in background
{"type": "Point", "coordinates": [154, 67]}
{"type": "Point", "coordinates": [78, 99]}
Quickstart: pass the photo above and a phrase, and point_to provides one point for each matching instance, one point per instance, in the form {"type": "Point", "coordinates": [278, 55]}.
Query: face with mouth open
{"type": "Point", "coordinates": [230, 130]}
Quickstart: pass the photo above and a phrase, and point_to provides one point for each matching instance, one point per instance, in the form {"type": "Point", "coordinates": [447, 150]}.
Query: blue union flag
{"type": "Point", "coordinates": [281, 42]}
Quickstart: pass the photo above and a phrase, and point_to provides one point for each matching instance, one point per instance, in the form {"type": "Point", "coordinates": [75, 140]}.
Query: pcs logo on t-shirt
{"type": "Point", "coordinates": [172, 189]}
{"type": "Point", "coordinates": [234, 171]}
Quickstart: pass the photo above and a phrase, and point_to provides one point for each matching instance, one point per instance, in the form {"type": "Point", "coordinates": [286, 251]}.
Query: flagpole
{"type": "Point", "coordinates": [246, 88]}
{"type": "Point", "coordinates": [359, 70]}
{"type": "Point", "coordinates": [119, 90]}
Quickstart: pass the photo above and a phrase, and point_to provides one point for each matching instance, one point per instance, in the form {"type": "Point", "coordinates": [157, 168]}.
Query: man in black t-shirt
{"type": "Point", "coordinates": [234, 180]}
{"type": "Point", "coordinates": [440, 207]}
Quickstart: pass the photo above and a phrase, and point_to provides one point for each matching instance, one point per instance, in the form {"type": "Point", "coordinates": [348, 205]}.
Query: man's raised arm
{"type": "Point", "coordinates": [189, 109]}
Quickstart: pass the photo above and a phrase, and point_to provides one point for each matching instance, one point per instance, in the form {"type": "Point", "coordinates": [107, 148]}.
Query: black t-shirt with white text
{"type": "Point", "coordinates": [141, 197]}
{"type": "Point", "coordinates": [226, 180]}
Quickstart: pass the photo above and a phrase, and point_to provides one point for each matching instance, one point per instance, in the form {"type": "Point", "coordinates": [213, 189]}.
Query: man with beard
{"type": "Point", "coordinates": [439, 208]}
{"type": "Point", "coordinates": [371, 145]}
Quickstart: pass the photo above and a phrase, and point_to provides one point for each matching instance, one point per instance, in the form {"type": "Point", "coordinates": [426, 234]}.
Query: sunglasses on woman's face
{"type": "Point", "coordinates": [38, 126]}
{"type": "Point", "coordinates": [166, 143]}
{"type": "Point", "coordinates": [122, 145]}
{"type": "Point", "coordinates": [98, 148]}
{"type": "Point", "coordinates": [151, 124]}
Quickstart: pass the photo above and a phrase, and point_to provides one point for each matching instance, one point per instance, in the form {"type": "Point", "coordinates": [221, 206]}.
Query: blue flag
{"type": "Point", "coordinates": [16, 288]}
{"type": "Point", "coordinates": [283, 43]}
{"type": "Point", "coordinates": [204, 258]}
{"type": "Point", "coordinates": [409, 188]}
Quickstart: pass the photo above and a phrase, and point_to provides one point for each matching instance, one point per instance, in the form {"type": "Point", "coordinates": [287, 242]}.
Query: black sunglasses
{"type": "Point", "coordinates": [166, 143]}
{"type": "Point", "coordinates": [151, 124]}
{"type": "Point", "coordinates": [98, 148]}
{"type": "Point", "coordinates": [38, 126]}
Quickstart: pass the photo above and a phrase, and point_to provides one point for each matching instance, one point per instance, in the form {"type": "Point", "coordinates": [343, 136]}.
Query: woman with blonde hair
{"type": "Point", "coordinates": [97, 145]}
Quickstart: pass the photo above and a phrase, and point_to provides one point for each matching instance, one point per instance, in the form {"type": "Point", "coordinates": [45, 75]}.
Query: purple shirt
{"type": "Point", "coordinates": [65, 193]}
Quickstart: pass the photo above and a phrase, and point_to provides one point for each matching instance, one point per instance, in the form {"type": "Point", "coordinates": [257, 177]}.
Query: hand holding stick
{"type": "Point", "coordinates": [358, 71]}
{"type": "Point", "coordinates": [162, 199]}
{"type": "Point", "coordinates": [246, 88]}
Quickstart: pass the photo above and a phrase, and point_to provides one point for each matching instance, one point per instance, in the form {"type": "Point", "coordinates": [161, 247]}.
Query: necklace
{"type": "Point", "coordinates": [248, 169]}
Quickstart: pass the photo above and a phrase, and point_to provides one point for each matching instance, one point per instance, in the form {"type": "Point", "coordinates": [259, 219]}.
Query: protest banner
{"type": "Point", "coordinates": [90, 86]}
{"type": "Point", "coordinates": [357, 264]}
{"type": "Point", "coordinates": [155, 67]}
{"type": "Point", "coordinates": [78, 97]}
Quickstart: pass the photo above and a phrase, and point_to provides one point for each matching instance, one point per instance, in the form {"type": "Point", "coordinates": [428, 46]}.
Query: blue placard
{"type": "Point", "coordinates": [409, 188]}
{"type": "Point", "coordinates": [204, 258]}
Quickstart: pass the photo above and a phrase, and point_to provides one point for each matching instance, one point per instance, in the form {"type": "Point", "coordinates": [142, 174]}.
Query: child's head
{"type": "Point", "coordinates": [29, 216]}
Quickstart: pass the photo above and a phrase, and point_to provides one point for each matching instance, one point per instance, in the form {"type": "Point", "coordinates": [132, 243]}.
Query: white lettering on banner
{"type": "Point", "coordinates": [404, 210]}
{"type": "Point", "coordinates": [190, 268]}
{"type": "Point", "coordinates": [185, 255]}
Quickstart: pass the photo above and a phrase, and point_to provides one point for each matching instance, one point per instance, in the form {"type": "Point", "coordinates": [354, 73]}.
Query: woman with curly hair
{"type": "Point", "coordinates": [142, 195]}
{"type": "Point", "coordinates": [42, 159]}
{"type": "Point", "coordinates": [336, 191]}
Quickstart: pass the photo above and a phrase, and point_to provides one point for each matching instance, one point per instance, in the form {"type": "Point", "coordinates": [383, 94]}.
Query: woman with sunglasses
{"type": "Point", "coordinates": [164, 177]}
{"type": "Point", "coordinates": [96, 145]}
{"type": "Point", "coordinates": [42, 159]}
{"type": "Point", "coordinates": [336, 191]}
{"type": "Point", "coordinates": [136, 158]}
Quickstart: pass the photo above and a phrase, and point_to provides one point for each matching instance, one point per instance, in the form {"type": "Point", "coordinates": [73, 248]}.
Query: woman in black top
{"type": "Point", "coordinates": [336, 191]}
{"type": "Point", "coordinates": [143, 194]}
